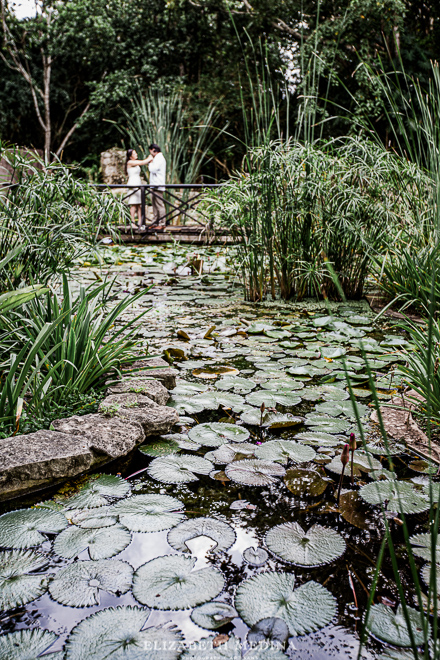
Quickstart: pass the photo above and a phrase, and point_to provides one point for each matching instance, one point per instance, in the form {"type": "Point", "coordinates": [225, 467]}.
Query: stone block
{"type": "Point", "coordinates": [154, 419]}
{"type": "Point", "coordinates": [153, 389]}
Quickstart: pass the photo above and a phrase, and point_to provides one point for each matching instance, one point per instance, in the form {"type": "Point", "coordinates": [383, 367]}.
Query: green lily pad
{"type": "Point", "coordinates": [320, 545]}
{"type": "Point", "coordinates": [184, 388]}
{"type": "Point", "coordinates": [326, 392]}
{"type": "Point", "coordinates": [281, 451]}
{"type": "Point", "coordinates": [283, 385]}
{"type": "Point", "coordinates": [211, 648]}
{"type": "Point", "coordinates": [228, 453]}
{"type": "Point", "coordinates": [346, 408]}
{"type": "Point", "coordinates": [178, 469]}
{"type": "Point", "coordinates": [99, 491]}
{"type": "Point", "coordinates": [398, 495]}
{"type": "Point", "coordinates": [273, 631]}
{"type": "Point", "coordinates": [160, 448]}
{"type": "Point", "coordinates": [255, 556]}
{"type": "Point", "coordinates": [305, 609]}
{"type": "Point", "coordinates": [327, 424]}
{"type": "Point", "coordinates": [362, 461]}
{"type": "Point", "coordinates": [149, 512]}
{"type": "Point", "coordinates": [236, 384]}
{"type": "Point", "coordinates": [101, 543]}
{"type": "Point", "coordinates": [215, 434]}
{"type": "Point", "coordinates": [213, 615]}
{"type": "Point", "coordinates": [258, 328]}
{"type": "Point", "coordinates": [426, 576]}
{"type": "Point", "coordinates": [26, 528]}
{"type": "Point", "coordinates": [93, 518]}
{"type": "Point", "coordinates": [332, 352]}
{"type": "Point", "coordinates": [80, 584]}
{"type": "Point", "coordinates": [355, 511]}
{"type": "Point", "coordinates": [392, 628]}
{"type": "Point", "coordinates": [254, 472]}
{"type": "Point", "coordinates": [171, 583]}
{"type": "Point", "coordinates": [215, 529]}
{"type": "Point", "coordinates": [212, 400]}
{"type": "Point", "coordinates": [18, 582]}
{"type": "Point", "coordinates": [116, 633]}
{"type": "Point", "coordinates": [421, 547]}
{"type": "Point", "coordinates": [320, 438]}
{"type": "Point", "coordinates": [302, 482]}
{"type": "Point", "coordinates": [272, 397]}
{"type": "Point", "coordinates": [276, 420]}
{"type": "Point", "coordinates": [27, 644]}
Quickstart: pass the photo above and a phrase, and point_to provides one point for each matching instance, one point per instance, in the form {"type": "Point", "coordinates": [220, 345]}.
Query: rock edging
{"type": "Point", "coordinates": [135, 408]}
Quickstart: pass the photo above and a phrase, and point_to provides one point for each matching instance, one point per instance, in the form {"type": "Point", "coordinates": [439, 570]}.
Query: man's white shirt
{"type": "Point", "coordinates": [158, 170]}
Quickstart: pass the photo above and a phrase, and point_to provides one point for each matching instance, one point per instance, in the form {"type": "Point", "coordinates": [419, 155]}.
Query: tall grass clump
{"type": "Point", "coordinates": [47, 218]}
{"type": "Point", "coordinates": [297, 207]}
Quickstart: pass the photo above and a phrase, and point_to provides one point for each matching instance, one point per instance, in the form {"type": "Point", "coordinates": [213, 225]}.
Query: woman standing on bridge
{"type": "Point", "coordinates": [133, 169]}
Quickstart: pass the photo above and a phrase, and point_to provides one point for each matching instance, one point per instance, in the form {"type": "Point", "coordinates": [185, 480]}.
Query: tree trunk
{"type": "Point", "coordinates": [47, 71]}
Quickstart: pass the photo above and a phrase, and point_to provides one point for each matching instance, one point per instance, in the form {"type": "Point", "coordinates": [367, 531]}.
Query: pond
{"type": "Point", "coordinates": [225, 538]}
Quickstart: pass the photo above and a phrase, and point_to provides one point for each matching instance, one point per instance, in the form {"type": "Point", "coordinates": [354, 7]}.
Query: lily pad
{"type": "Point", "coordinates": [320, 545]}
{"type": "Point", "coordinates": [229, 648]}
{"type": "Point", "coordinates": [228, 453]}
{"type": "Point", "coordinates": [99, 491]}
{"type": "Point", "coordinates": [171, 583]}
{"type": "Point", "coordinates": [320, 438]}
{"type": "Point", "coordinates": [283, 385]}
{"type": "Point", "coordinates": [215, 434]}
{"type": "Point", "coordinates": [303, 482]}
{"type": "Point", "coordinates": [101, 543]}
{"type": "Point", "coordinates": [276, 420]}
{"type": "Point", "coordinates": [213, 615]}
{"type": "Point", "coordinates": [255, 556]}
{"type": "Point", "coordinates": [332, 352]}
{"type": "Point", "coordinates": [334, 408]}
{"type": "Point", "coordinates": [160, 448]}
{"type": "Point", "coordinates": [398, 496]}
{"type": "Point", "coordinates": [26, 644]}
{"type": "Point", "coordinates": [326, 392]}
{"type": "Point", "coordinates": [362, 461]}
{"type": "Point", "coordinates": [270, 398]}
{"type": "Point", "coordinates": [149, 512]}
{"type": "Point", "coordinates": [18, 582]}
{"type": "Point", "coordinates": [254, 472]}
{"type": "Point", "coordinates": [215, 529]}
{"type": "Point", "coordinates": [212, 400]}
{"type": "Point", "coordinates": [273, 631]}
{"type": "Point", "coordinates": [236, 384]}
{"type": "Point", "coordinates": [327, 424]}
{"type": "Point", "coordinates": [215, 371]}
{"type": "Point", "coordinates": [305, 609]}
{"type": "Point", "coordinates": [421, 546]}
{"type": "Point", "coordinates": [25, 528]}
{"type": "Point", "coordinates": [116, 633]}
{"type": "Point", "coordinates": [93, 518]}
{"type": "Point", "coordinates": [281, 451]}
{"type": "Point", "coordinates": [391, 627]}
{"type": "Point", "coordinates": [80, 584]}
{"type": "Point", "coordinates": [183, 387]}
{"type": "Point", "coordinates": [178, 469]}
{"type": "Point", "coordinates": [355, 511]}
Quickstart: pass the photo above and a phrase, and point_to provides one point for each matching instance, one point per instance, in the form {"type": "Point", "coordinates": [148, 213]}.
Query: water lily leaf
{"type": "Point", "coordinates": [322, 321]}
{"type": "Point", "coordinates": [421, 546]}
{"type": "Point", "coordinates": [319, 545]}
{"type": "Point", "coordinates": [163, 447]}
{"type": "Point", "coordinates": [99, 491]}
{"type": "Point", "coordinates": [178, 469]}
{"type": "Point", "coordinates": [183, 387]}
{"type": "Point", "coordinates": [302, 482]}
{"type": "Point", "coordinates": [255, 556]}
{"type": "Point", "coordinates": [327, 424]}
{"type": "Point", "coordinates": [18, 584]}
{"type": "Point", "coordinates": [362, 393]}
{"type": "Point", "coordinates": [326, 392]}
{"type": "Point", "coordinates": [392, 628]}
{"type": "Point", "coordinates": [283, 385]}
{"type": "Point", "coordinates": [212, 400]}
{"type": "Point", "coordinates": [215, 434]}
{"type": "Point", "coordinates": [171, 583]}
{"type": "Point", "coordinates": [116, 633]}
{"type": "Point", "coordinates": [215, 371]}
{"type": "Point", "coordinates": [355, 511]}
{"type": "Point", "coordinates": [186, 406]}
{"type": "Point", "coordinates": [258, 328]}
{"type": "Point", "coordinates": [254, 472]}
{"type": "Point", "coordinates": [230, 649]}
{"type": "Point", "coordinates": [423, 466]}
{"type": "Point", "coordinates": [149, 512]}
{"type": "Point", "coordinates": [101, 543]}
{"type": "Point", "coordinates": [213, 615]}
{"type": "Point", "coordinates": [228, 453]}
{"type": "Point", "coordinates": [281, 451]}
{"type": "Point", "coordinates": [397, 495]}
{"type": "Point", "coordinates": [305, 609]}
{"type": "Point", "coordinates": [361, 461]}
{"type": "Point", "coordinates": [26, 644]}
{"type": "Point", "coordinates": [80, 584]}
{"type": "Point", "coordinates": [93, 518]}
{"type": "Point", "coordinates": [332, 352]}
{"type": "Point", "coordinates": [273, 630]}
{"type": "Point", "coordinates": [280, 420]}
{"type": "Point", "coordinates": [251, 416]}
{"type": "Point", "coordinates": [236, 384]}
{"type": "Point", "coordinates": [426, 576]}
{"type": "Point", "coordinates": [272, 397]}
{"type": "Point", "coordinates": [320, 438]}
{"type": "Point", "coordinates": [334, 409]}
{"type": "Point", "coordinates": [26, 527]}
{"type": "Point", "coordinates": [215, 529]}
{"type": "Point", "coordinates": [278, 334]}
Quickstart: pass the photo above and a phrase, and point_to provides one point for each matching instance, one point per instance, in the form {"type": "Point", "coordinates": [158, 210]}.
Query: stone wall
{"type": "Point", "coordinates": [113, 166]}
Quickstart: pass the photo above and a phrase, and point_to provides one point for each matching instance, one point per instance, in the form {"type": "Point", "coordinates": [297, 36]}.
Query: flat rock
{"type": "Point", "coordinates": [36, 459]}
{"type": "Point", "coordinates": [154, 419]}
{"type": "Point", "coordinates": [111, 404]}
{"type": "Point", "coordinates": [154, 368]}
{"type": "Point", "coordinates": [153, 389]}
{"type": "Point", "coordinates": [105, 435]}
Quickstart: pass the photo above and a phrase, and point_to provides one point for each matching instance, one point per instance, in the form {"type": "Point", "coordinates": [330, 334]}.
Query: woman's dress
{"type": "Point", "coordinates": [134, 179]}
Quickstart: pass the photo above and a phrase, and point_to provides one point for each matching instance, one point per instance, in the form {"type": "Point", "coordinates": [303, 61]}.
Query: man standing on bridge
{"type": "Point", "coordinates": [158, 168]}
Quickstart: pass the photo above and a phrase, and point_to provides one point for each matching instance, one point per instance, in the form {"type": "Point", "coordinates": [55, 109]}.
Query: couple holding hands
{"type": "Point", "coordinates": [157, 166]}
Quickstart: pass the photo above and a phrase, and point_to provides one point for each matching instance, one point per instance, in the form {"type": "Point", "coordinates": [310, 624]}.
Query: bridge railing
{"type": "Point", "coordinates": [175, 206]}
